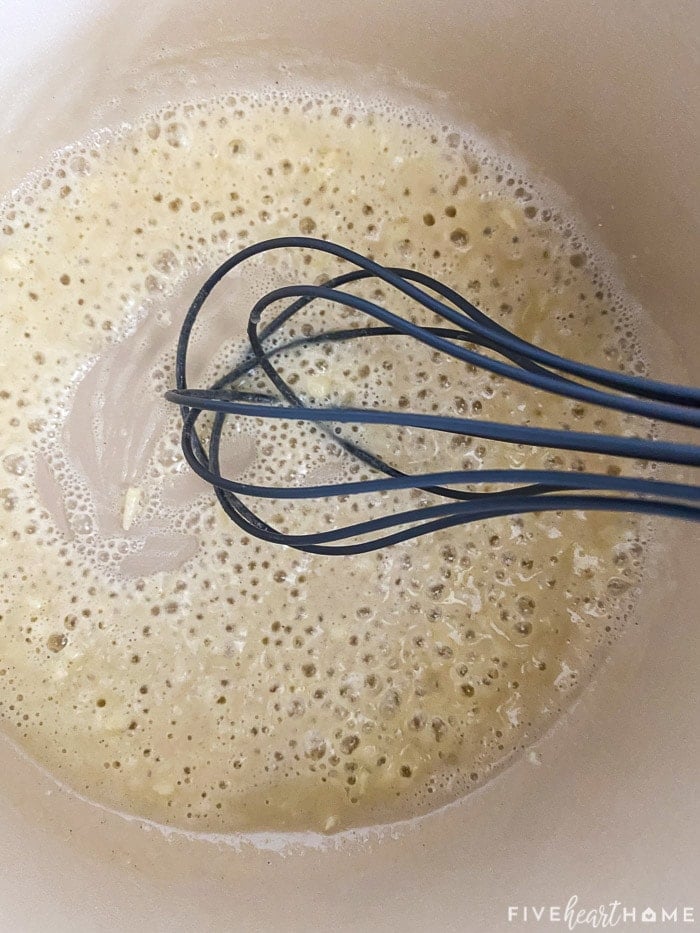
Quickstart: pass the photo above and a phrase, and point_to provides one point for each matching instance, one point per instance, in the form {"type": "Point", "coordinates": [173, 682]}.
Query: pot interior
{"type": "Point", "coordinates": [562, 87]}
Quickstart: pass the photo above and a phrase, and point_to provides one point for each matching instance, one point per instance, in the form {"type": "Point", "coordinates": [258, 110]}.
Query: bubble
{"type": "Point", "coordinates": [307, 225]}
{"type": "Point", "coordinates": [79, 165]}
{"type": "Point", "coordinates": [176, 135]}
{"type": "Point", "coordinates": [526, 605]}
{"type": "Point", "coordinates": [153, 284]}
{"type": "Point", "coordinates": [16, 464]}
{"type": "Point", "coordinates": [8, 498]}
{"type": "Point", "coordinates": [56, 642]}
{"type": "Point", "coordinates": [460, 238]}
{"type": "Point", "coordinates": [618, 585]}
{"type": "Point", "coordinates": [165, 261]}
{"type": "Point", "coordinates": [349, 743]}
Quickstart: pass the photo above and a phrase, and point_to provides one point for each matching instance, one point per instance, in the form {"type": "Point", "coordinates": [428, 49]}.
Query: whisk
{"type": "Point", "coordinates": [466, 334]}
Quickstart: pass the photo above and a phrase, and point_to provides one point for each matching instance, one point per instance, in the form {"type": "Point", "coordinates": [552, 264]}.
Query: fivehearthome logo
{"type": "Point", "coordinates": [573, 914]}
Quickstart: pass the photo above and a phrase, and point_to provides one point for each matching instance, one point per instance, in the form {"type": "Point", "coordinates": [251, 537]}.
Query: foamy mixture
{"type": "Point", "coordinates": [152, 657]}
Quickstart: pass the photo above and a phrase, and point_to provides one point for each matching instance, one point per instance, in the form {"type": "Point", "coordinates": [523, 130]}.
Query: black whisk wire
{"type": "Point", "coordinates": [468, 329]}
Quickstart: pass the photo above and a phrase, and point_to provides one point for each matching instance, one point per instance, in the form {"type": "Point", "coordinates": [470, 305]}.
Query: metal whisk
{"type": "Point", "coordinates": [467, 329]}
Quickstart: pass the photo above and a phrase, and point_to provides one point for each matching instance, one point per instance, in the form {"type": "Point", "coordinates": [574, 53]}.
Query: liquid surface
{"type": "Point", "coordinates": [151, 657]}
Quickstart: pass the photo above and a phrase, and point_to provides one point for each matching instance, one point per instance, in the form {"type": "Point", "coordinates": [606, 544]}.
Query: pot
{"type": "Point", "coordinates": [599, 100]}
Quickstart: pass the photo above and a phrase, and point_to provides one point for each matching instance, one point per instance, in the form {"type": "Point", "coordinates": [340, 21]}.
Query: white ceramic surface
{"type": "Point", "coordinates": [602, 99]}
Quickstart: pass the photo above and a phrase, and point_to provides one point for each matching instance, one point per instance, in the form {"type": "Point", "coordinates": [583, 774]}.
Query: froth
{"type": "Point", "coordinates": [152, 657]}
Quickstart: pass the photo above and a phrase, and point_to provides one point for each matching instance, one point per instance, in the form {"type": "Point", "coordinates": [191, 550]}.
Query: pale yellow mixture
{"type": "Point", "coordinates": [160, 663]}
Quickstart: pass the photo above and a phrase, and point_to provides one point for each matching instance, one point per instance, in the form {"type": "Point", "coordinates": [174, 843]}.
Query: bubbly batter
{"type": "Point", "coordinates": [153, 658]}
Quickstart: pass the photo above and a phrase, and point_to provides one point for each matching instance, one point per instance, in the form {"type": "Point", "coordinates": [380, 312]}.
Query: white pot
{"type": "Point", "coordinates": [600, 98]}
